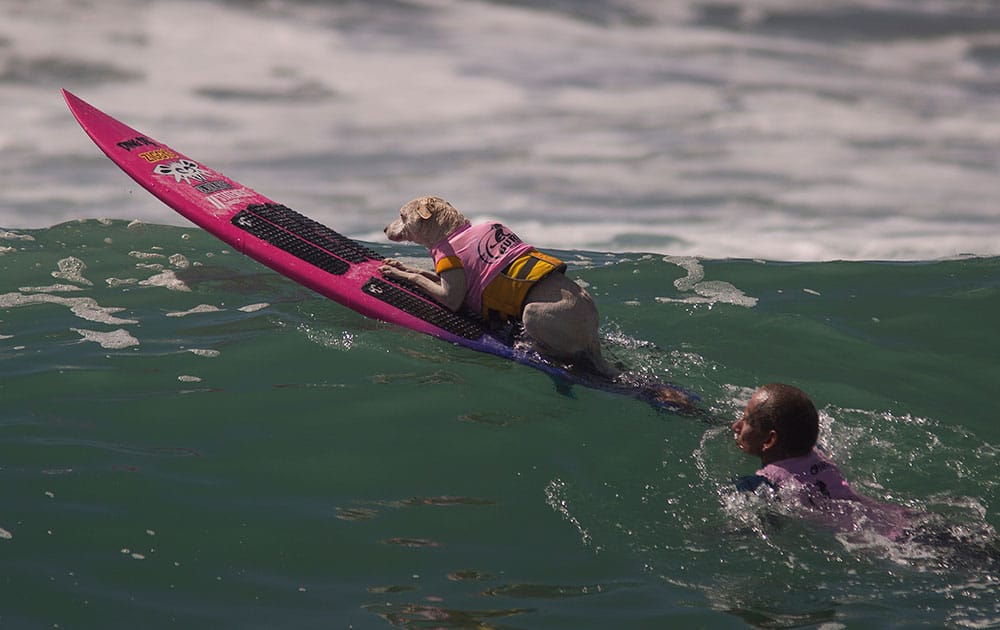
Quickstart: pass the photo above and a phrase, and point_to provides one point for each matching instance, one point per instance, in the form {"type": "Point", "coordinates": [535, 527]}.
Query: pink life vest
{"type": "Point", "coordinates": [483, 250]}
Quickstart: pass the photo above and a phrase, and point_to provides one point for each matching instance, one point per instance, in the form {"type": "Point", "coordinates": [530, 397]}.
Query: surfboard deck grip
{"type": "Point", "coordinates": [427, 311]}
{"type": "Point", "coordinates": [302, 237]}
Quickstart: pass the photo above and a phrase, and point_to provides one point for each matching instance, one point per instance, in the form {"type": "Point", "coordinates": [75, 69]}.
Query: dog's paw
{"type": "Point", "coordinates": [674, 398]}
{"type": "Point", "coordinates": [395, 273]}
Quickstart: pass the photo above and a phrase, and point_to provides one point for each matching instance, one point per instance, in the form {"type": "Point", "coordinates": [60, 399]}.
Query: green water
{"type": "Point", "coordinates": [295, 465]}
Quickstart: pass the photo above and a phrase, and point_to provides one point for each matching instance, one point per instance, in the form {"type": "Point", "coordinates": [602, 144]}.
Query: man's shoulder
{"type": "Point", "coordinates": [751, 483]}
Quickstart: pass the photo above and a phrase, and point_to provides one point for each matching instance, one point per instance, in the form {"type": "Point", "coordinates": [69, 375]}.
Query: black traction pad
{"type": "Point", "coordinates": [334, 253]}
{"type": "Point", "coordinates": [430, 312]}
{"type": "Point", "coordinates": [302, 237]}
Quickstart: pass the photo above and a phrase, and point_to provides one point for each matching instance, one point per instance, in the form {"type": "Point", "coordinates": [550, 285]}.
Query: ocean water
{"type": "Point", "coordinates": [190, 440]}
{"type": "Point", "coordinates": [753, 191]}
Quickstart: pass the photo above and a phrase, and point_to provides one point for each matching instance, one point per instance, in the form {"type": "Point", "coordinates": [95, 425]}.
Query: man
{"type": "Point", "coordinates": [781, 426]}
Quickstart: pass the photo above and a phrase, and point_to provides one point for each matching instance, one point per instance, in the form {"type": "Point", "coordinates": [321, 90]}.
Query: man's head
{"type": "Point", "coordinates": [780, 421]}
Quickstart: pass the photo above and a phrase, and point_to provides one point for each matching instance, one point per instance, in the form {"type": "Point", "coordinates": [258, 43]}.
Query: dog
{"type": "Point", "coordinates": [490, 270]}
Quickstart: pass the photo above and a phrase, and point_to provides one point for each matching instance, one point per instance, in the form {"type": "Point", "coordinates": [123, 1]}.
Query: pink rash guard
{"type": "Point", "coordinates": [818, 484]}
{"type": "Point", "coordinates": [816, 474]}
{"type": "Point", "coordinates": [483, 250]}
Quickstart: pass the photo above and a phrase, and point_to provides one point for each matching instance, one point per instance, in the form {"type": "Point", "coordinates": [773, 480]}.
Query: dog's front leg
{"type": "Point", "coordinates": [447, 288]}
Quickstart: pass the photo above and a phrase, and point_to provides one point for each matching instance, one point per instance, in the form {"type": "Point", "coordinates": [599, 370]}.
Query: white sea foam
{"type": "Point", "coordinates": [202, 352]}
{"type": "Point", "coordinates": [145, 255]}
{"type": "Point", "coordinates": [166, 279]}
{"type": "Point", "coordinates": [121, 282]}
{"type": "Point", "coordinates": [253, 308]}
{"type": "Point", "coordinates": [114, 340]}
{"type": "Point", "coordinates": [83, 307]}
{"type": "Point", "coordinates": [52, 288]}
{"type": "Point", "coordinates": [7, 235]}
{"type": "Point", "coordinates": [201, 308]}
{"type": "Point", "coordinates": [179, 261]}
{"type": "Point", "coordinates": [71, 269]}
{"type": "Point", "coordinates": [705, 291]}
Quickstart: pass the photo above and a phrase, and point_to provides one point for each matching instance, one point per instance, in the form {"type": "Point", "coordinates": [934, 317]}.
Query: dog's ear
{"type": "Point", "coordinates": [424, 207]}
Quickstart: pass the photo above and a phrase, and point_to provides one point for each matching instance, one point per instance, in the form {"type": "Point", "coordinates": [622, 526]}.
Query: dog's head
{"type": "Point", "coordinates": [425, 221]}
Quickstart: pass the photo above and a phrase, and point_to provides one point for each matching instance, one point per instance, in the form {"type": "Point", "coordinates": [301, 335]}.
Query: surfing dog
{"type": "Point", "coordinates": [490, 270]}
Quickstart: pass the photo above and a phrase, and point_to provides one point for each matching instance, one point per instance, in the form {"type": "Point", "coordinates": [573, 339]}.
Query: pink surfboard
{"type": "Point", "coordinates": [312, 254]}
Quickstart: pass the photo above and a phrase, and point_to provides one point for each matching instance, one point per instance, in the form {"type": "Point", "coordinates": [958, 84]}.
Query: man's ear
{"type": "Point", "coordinates": [770, 441]}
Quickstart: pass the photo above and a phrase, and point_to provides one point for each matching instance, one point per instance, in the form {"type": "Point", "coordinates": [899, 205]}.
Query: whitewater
{"type": "Point", "coordinates": [760, 129]}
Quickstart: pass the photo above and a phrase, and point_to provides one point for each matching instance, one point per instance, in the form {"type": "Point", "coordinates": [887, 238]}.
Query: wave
{"type": "Point", "coordinates": [122, 342]}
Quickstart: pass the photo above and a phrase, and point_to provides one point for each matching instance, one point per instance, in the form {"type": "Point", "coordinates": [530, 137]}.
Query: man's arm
{"type": "Point", "coordinates": [751, 483]}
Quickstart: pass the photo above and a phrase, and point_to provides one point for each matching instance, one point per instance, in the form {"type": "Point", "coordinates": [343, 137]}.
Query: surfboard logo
{"type": "Point", "coordinates": [135, 143]}
{"type": "Point", "coordinates": [495, 243]}
{"type": "Point", "coordinates": [214, 186]}
{"type": "Point", "coordinates": [158, 155]}
{"type": "Point", "coordinates": [227, 198]}
{"type": "Point", "coordinates": [183, 170]}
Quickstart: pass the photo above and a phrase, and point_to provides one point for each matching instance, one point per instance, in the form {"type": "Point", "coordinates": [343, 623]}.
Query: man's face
{"type": "Point", "coordinates": [750, 438]}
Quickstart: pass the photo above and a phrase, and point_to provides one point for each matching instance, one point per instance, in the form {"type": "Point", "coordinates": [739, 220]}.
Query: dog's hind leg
{"type": "Point", "coordinates": [561, 341]}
